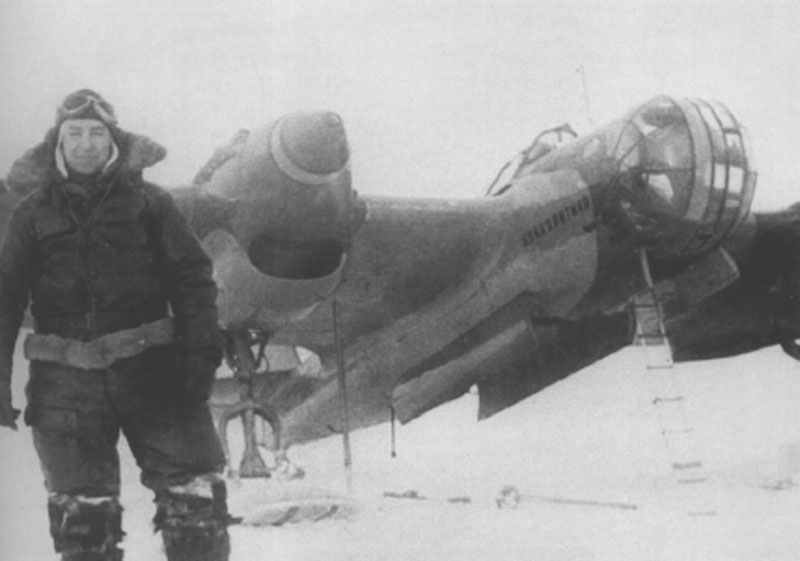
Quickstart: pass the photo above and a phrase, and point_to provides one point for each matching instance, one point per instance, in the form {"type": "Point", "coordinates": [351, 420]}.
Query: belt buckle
{"type": "Point", "coordinates": [86, 355]}
{"type": "Point", "coordinates": [77, 355]}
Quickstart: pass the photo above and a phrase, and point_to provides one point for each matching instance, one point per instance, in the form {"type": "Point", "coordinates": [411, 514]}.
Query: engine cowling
{"type": "Point", "coordinates": [290, 182]}
{"type": "Point", "coordinates": [283, 210]}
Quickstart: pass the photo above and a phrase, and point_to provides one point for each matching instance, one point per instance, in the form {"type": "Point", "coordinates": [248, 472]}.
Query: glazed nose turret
{"type": "Point", "coordinates": [685, 177]}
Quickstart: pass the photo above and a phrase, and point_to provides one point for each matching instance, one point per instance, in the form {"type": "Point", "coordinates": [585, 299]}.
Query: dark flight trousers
{"type": "Point", "coordinates": [77, 416]}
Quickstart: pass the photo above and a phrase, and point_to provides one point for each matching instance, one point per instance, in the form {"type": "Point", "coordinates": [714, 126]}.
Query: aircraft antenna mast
{"type": "Point", "coordinates": [582, 71]}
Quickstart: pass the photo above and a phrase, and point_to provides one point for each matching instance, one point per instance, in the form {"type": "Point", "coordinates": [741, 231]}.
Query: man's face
{"type": "Point", "coordinates": [86, 144]}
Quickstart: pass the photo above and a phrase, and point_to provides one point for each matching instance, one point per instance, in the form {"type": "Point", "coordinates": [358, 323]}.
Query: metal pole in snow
{"type": "Point", "coordinates": [391, 421]}
{"type": "Point", "coordinates": [581, 502]}
{"type": "Point", "coordinates": [341, 376]}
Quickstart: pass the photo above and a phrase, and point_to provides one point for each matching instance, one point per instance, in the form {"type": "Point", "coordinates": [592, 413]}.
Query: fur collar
{"type": "Point", "coordinates": [36, 168]}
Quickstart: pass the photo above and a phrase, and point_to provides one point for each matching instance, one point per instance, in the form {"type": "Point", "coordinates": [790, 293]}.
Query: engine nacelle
{"type": "Point", "coordinates": [276, 211]}
{"type": "Point", "coordinates": [290, 185]}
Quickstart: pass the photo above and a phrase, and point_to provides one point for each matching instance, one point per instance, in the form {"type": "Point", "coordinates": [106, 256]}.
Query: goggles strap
{"type": "Point", "coordinates": [105, 115]}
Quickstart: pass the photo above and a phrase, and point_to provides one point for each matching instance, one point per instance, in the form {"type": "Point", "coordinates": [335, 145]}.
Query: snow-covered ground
{"type": "Point", "coordinates": [581, 446]}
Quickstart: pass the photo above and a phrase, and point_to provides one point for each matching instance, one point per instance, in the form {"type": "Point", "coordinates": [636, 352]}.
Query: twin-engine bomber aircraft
{"type": "Point", "coordinates": [410, 302]}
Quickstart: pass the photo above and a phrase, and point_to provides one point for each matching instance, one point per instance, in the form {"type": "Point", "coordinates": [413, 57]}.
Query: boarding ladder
{"type": "Point", "coordinates": [687, 471]}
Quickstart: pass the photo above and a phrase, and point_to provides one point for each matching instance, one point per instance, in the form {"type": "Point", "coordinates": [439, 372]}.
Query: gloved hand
{"type": "Point", "coordinates": [8, 415]}
{"type": "Point", "coordinates": [198, 372]}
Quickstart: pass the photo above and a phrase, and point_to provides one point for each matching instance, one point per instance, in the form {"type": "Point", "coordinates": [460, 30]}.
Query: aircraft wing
{"type": "Point", "coordinates": [405, 256]}
{"type": "Point", "coordinates": [511, 364]}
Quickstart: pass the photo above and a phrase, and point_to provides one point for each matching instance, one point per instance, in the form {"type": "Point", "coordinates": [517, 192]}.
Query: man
{"type": "Point", "coordinates": [103, 255]}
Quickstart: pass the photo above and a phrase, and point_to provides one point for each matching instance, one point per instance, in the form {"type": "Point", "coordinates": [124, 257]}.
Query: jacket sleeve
{"type": "Point", "coordinates": [16, 262]}
{"type": "Point", "coordinates": [188, 278]}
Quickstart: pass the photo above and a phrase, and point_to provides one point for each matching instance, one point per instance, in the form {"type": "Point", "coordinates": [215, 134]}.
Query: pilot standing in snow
{"type": "Point", "coordinates": [103, 256]}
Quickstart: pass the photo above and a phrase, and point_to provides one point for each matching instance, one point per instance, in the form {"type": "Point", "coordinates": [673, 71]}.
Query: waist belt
{"type": "Point", "coordinates": [101, 352]}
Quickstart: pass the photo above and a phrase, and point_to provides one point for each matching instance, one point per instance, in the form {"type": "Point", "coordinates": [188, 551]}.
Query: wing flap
{"type": "Point", "coordinates": [514, 363]}
{"type": "Point", "coordinates": [448, 381]}
{"type": "Point", "coordinates": [560, 350]}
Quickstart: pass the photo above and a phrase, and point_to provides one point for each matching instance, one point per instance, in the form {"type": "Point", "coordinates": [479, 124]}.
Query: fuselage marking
{"type": "Point", "coordinates": [557, 219]}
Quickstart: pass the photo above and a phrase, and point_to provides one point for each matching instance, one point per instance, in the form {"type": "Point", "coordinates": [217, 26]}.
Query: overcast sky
{"type": "Point", "coordinates": [435, 95]}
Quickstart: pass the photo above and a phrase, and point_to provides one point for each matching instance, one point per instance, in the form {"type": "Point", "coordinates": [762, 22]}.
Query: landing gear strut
{"type": "Point", "coordinates": [244, 363]}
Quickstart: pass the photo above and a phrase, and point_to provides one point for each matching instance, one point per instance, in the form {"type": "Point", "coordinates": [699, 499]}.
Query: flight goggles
{"type": "Point", "coordinates": [80, 105]}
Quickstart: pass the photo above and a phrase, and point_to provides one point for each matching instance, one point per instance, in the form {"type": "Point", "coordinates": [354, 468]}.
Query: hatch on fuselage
{"type": "Point", "coordinates": [518, 166]}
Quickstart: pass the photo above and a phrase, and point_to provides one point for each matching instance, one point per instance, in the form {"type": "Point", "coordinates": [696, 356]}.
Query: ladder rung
{"type": "Point", "coordinates": [651, 341]}
{"type": "Point", "coordinates": [665, 366]}
{"type": "Point", "coordinates": [695, 464]}
{"type": "Point", "coordinates": [702, 513]}
{"type": "Point", "coordinates": [675, 399]}
{"type": "Point", "coordinates": [692, 480]}
{"type": "Point", "coordinates": [647, 309]}
{"type": "Point", "coordinates": [647, 312]}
